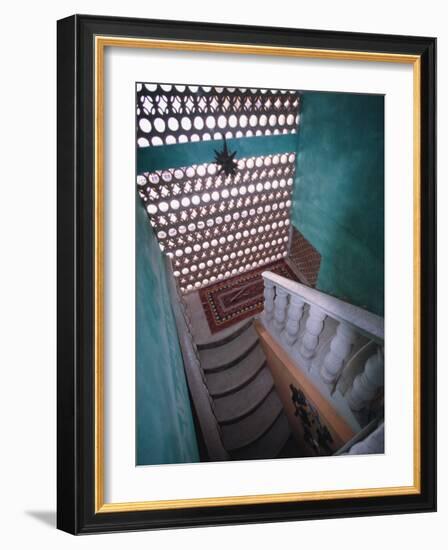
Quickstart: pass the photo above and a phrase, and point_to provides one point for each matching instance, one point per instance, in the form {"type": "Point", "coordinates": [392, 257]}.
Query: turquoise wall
{"type": "Point", "coordinates": [338, 202]}
{"type": "Point", "coordinates": [165, 427]}
{"type": "Point", "coordinates": [185, 154]}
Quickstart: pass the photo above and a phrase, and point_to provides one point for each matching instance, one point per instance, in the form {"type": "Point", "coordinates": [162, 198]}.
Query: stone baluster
{"type": "Point", "coordinates": [294, 314]}
{"type": "Point", "coordinates": [269, 291]}
{"type": "Point", "coordinates": [372, 444]}
{"type": "Point", "coordinates": [340, 348]}
{"type": "Point", "coordinates": [313, 328]}
{"type": "Point", "coordinates": [280, 303]}
{"type": "Point", "coordinates": [366, 384]}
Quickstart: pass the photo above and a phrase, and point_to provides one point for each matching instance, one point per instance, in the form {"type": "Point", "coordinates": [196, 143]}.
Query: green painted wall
{"type": "Point", "coordinates": [185, 154]}
{"type": "Point", "coordinates": [338, 201]}
{"type": "Point", "coordinates": [165, 428]}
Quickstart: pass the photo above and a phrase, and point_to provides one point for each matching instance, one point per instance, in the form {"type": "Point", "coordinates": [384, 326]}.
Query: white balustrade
{"type": "Point", "coordinates": [286, 311]}
{"type": "Point", "coordinates": [366, 384]}
{"type": "Point", "coordinates": [293, 317]}
{"type": "Point", "coordinates": [280, 303]}
{"type": "Point", "coordinates": [313, 328]}
{"type": "Point", "coordinates": [340, 347]}
{"type": "Point", "coordinates": [361, 320]}
{"type": "Point", "coordinates": [269, 292]}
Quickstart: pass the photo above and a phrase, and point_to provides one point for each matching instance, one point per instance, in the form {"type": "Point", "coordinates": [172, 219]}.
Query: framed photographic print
{"type": "Point", "coordinates": [246, 274]}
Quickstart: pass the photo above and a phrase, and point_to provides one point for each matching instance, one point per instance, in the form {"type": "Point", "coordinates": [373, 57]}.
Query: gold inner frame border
{"type": "Point", "coordinates": [100, 43]}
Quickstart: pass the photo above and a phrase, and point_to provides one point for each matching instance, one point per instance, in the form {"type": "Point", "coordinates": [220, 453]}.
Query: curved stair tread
{"type": "Point", "coordinates": [231, 333]}
{"type": "Point", "coordinates": [252, 427]}
{"type": "Point", "coordinates": [269, 445]}
{"type": "Point", "coordinates": [230, 380]}
{"type": "Point", "coordinates": [228, 354]}
{"type": "Point", "coordinates": [239, 404]}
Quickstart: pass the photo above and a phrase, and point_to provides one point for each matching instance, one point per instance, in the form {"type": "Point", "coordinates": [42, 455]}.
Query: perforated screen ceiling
{"type": "Point", "coordinates": [214, 226]}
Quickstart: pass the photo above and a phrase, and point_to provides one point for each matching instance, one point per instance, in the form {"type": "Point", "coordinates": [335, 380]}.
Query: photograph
{"type": "Point", "coordinates": [246, 259]}
{"type": "Point", "coordinates": [222, 280]}
{"type": "Point", "coordinates": [259, 273]}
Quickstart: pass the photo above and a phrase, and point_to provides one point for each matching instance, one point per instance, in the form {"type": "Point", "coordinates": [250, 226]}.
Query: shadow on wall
{"type": "Point", "coordinates": [338, 201]}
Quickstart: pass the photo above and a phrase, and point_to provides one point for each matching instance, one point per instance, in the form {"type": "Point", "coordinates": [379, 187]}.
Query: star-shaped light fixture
{"type": "Point", "coordinates": [226, 160]}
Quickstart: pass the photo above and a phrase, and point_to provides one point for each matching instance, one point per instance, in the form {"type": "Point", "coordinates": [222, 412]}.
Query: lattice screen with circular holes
{"type": "Point", "coordinates": [215, 226]}
{"type": "Point", "coordinates": [169, 114]}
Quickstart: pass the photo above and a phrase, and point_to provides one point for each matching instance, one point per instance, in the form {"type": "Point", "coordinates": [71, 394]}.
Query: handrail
{"type": "Point", "coordinates": [360, 319]}
{"type": "Point", "coordinates": [199, 392]}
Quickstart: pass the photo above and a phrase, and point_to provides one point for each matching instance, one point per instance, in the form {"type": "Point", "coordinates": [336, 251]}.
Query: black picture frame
{"type": "Point", "coordinates": [76, 511]}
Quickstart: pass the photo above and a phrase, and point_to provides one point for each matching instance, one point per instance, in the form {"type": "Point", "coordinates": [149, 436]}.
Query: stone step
{"type": "Point", "coordinates": [230, 353]}
{"type": "Point", "coordinates": [269, 445]}
{"type": "Point", "coordinates": [232, 379]}
{"type": "Point", "coordinates": [239, 404]}
{"type": "Point", "coordinates": [252, 427]}
{"type": "Point", "coordinates": [231, 334]}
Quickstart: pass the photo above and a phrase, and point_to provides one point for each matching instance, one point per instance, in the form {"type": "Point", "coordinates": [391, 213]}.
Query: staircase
{"type": "Point", "coordinates": [337, 346]}
{"type": "Point", "coordinates": [245, 403]}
